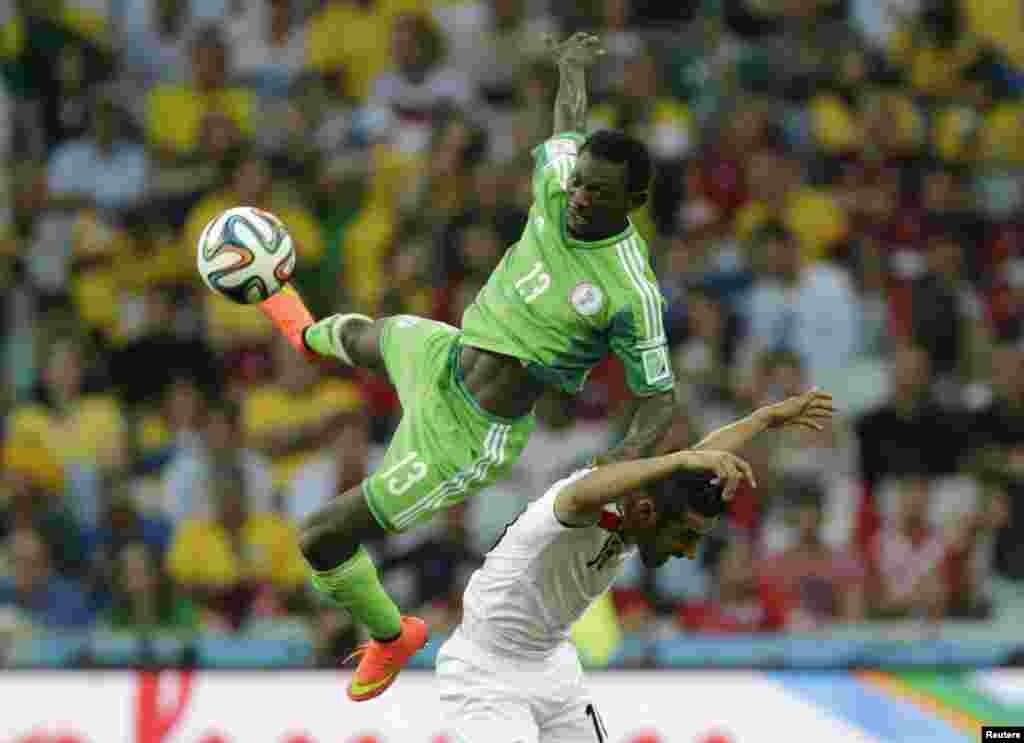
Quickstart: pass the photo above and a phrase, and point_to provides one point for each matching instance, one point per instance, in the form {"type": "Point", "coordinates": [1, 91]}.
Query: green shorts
{"type": "Point", "coordinates": [447, 447]}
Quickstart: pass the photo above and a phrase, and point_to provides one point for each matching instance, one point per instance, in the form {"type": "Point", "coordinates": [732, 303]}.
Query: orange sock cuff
{"type": "Point", "coordinates": [290, 316]}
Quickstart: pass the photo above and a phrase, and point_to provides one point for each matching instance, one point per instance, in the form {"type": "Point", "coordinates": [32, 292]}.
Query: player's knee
{"type": "Point", "coordinates": [362, 341]}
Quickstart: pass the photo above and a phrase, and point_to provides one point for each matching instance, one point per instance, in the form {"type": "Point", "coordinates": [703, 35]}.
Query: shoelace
{"type": "Point", "coordinates": [364, 649]}
{"type": "Point", "coordinates": [358, 652]}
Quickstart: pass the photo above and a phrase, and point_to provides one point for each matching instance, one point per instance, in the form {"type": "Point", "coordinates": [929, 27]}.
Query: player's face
{"type": "Point", "coordinates": [676, 538]}
{"type": "Point", "coordinates": [598, 200]}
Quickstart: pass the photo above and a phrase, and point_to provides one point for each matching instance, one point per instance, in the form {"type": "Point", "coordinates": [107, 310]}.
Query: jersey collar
{"type": "Point", "coordinates": [610, 521]}
{"type": "Point", "coordinates": [591, 245]}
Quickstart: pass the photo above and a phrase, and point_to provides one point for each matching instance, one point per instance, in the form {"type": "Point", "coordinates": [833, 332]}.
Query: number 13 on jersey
{"type": "Point", "coordinates": [533, 284]}
{"type": "Point", "coordinates": [406, 473]}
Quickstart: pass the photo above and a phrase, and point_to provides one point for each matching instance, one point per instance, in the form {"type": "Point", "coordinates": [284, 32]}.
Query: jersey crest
{"type": "Point", "coordinates": [587, 299]}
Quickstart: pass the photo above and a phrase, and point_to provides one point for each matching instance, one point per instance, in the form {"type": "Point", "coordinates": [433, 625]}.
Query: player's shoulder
{"type": "Point", "coordinates": [541, 519]}
{"type": "Point", "coordinates": [629, 260]}
{"type": "Point", "coordinates": [558, 145]}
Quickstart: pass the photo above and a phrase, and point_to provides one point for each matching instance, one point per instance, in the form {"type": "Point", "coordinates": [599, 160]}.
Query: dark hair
{"type": "Point", "coordinates": [773, 231]}
{"type": "Point", "coordinates": [226, 407]}
{"type": "Point", "coordinates": [689, 491]}
{"type": "Point", "coordinates": [122, 610]}
{"type": "Point", "coordinates": [618, 147]}
{"type": "Point", "coordinates": [210, 35]}
{"type": "Point", "coordinates": [433, 43]}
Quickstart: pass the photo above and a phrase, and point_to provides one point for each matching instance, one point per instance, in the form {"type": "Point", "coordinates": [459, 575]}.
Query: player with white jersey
{"type": "Point", "coordinates": [509, 673]}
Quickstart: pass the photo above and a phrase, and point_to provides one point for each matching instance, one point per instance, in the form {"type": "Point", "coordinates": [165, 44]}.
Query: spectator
{"type": "Point", "coordinates": [144, 598]}
{"type": "Point", "coordinates": [899, 437]}
{"type": "Point", "coordinates": [494, 41]}
{"type": "Point", "coordinates": [706, 356]}
{"type": "Point", "coordinates": [238, 560]}
{"type": "Point", "coordinates": [156, 39]}
{"type": "Point", "coordinates": [741, 602]}
{"type": "Point", "coordinates": [457, 146]}
{"type": "Point", "coordinates": [123, 524]}
{"type": "Point", "coordinates": [906, 559]}
{"type": "Point", "coordinates": [350, 37]}
{"type": "Point", "coordinates": [175, 425]}
{"type": "Point", "coordinates": [1000, 424]}
{"type": "Point", "coordinates": [809, 309]}
{"type": "Point", "coordinates": [947, 315]}
{"type": "Point", "coordinates": [291, 420]}
{"type": "Point", "coordinates": [177, 113]}
{"type": "Point", "coordinates": [188, 481]}
{"type": "Point", "coordinates": [410, 97]}
{"type": "Point", "coordinates": [340, 467]}
{"type": "Point", "coordinates": [972, 556]}
{"type": "Point", "coordinates": [144, 367]}
{"type": "Point", "coordinates": [46, 599]}
{"type": "Point", "coordinates": [778, 193]}
{"type": "Point", "coordinates": [270, 47]}
{"type": "Point", "coordinates": [1008, 304]}
{"type": "Point", "coordinates": [35, 481]}
{"type": "Point", "coordinates": [823, 584]}
{"type": "Point", "coordinates": [936, 50]}
{"type": "Point", "coordinates": [74, 426]}
{"type": "Point", "coordinates": [104, 170]}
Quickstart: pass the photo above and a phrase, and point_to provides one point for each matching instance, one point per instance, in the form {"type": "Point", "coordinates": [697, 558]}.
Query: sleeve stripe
{"type": "Point", "coordinates": [655, 292]}
{"type": "Point", "coordinates": [632, 263]}
{"type": "Point", "coordinates": [563, 165]}
{"type": "Point", "coordinates": [648, 322]}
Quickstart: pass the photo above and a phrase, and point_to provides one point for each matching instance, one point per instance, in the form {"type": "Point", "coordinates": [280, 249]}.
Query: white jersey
{"type": "Point", "coordinates": [539, 579]}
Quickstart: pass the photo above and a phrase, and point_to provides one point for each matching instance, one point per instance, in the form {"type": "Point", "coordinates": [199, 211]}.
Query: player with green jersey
{"type": "Point", "coordinates": [575, 287]}
{"type": "Point", "coordinates": [561, 304]}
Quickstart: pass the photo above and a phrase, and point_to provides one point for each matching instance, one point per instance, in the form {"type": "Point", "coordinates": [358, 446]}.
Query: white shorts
{"type": "Point", "coordinates": [490, 698]}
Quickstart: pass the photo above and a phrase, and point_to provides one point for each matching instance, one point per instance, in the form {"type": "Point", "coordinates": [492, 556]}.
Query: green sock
{"type": "Point", "coordinates": [319, 337]}
{"type": "Point", "coordinates": [355, 586]}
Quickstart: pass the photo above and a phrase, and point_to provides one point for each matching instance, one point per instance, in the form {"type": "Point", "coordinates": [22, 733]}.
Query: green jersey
{"type": "Point", "coordinates": [561, 305]}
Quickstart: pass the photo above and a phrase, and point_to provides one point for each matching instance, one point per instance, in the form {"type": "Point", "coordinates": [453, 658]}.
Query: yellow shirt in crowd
{"type": "Point", "coordinates": [202, 554]}
{"type": "Point", "coordinates": [175, 114]}
{"type": "Point", "coordinates": [355, 40]}
{"type": "Point", "coordinates": [89, 433]}
{"type": "Point", "coordinates": [273, 407]}
{"type": "Point", "coordinates": [814, 217]}
{"type": "Point", "coordinates": [999, 23]}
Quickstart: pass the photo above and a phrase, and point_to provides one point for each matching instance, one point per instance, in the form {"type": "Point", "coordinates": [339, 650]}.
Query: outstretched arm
{"type": "Point", "coordinates": [572, 57]}
{"type": "Point", "coordinates": [808, 410]}
{"type": "Point", "coordinates": [606, 485]}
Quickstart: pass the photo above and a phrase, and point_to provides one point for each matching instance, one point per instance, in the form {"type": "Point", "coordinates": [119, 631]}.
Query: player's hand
{"type": "Point", "coordinates": [809, 410]}
{"type": "Point", "coordinates": [581, 49]}
{"type": "Point", "coordinates": [730, 470]}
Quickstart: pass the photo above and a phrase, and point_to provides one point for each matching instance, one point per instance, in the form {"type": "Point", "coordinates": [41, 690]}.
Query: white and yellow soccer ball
{"type": "Point", "coordinates": [245, 254]}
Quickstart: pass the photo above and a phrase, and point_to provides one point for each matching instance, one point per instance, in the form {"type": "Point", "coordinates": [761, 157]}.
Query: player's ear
{"type": "Point", "coordinates": [645, 515]}
{"type": "Point", "coordinates": [637, 199]}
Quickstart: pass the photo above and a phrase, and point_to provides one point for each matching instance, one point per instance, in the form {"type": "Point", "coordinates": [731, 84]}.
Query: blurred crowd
{"type": "Point", "coordinates": [838, 202]}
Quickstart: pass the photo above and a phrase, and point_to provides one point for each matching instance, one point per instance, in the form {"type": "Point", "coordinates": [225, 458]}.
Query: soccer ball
{"type": "Point", "coordinates": [246, 255]}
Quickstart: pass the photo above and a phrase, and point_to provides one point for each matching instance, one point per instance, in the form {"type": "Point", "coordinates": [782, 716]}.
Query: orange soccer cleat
{"type": "Point", "coordinates": [381, 661]}
{"type": "Point", "coordinates": [291, 317]}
